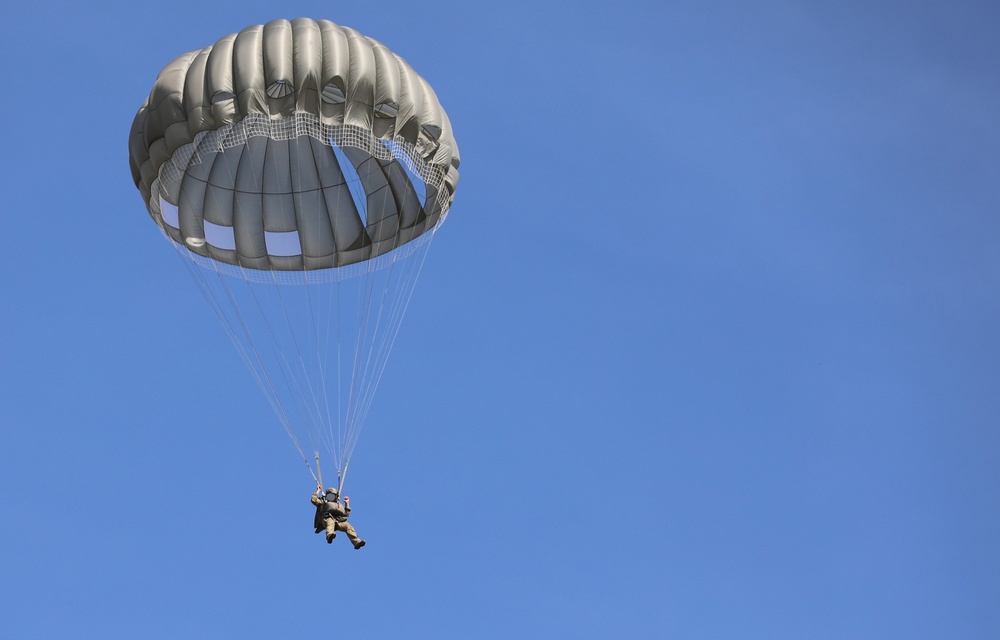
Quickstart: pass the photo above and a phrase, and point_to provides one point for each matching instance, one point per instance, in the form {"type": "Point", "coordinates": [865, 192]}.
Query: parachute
{"type": "Point", "coordinates": [301, 171]}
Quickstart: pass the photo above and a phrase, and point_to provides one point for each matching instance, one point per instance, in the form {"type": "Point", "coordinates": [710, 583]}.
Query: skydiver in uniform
{"type": "Point", "coordinates": [331, 515]}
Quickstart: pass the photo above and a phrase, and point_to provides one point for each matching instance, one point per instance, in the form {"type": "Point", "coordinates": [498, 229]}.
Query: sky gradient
{"type": "Point", "coordinates": [707, 347]}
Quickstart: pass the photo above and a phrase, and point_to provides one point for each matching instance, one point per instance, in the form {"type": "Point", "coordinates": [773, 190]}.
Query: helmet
{"type": "Point", "coordinates": [333, 491]}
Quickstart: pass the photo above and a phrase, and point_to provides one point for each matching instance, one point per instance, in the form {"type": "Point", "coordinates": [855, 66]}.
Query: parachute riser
{"type": "Point", "coordinates": [319, 472]}
{"type": "Point", "coordinates": [341, 478]}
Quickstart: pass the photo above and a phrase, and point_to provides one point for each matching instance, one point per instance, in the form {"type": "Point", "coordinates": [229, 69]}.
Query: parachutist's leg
{"type": "Point", "coordinates": [331, 530]}
{"type": "Point", "coordinates": [352, 535]}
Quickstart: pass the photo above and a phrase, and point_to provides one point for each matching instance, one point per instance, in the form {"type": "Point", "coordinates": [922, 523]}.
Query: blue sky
{"type": "Point", "coordinates": [707, 347]}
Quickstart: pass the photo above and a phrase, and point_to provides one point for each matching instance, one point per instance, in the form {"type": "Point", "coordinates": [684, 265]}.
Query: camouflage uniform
{"type": "Point", "coordinates": [331, 515]}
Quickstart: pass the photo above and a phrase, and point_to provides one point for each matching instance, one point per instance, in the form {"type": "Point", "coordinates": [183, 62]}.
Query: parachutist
{"type": "Point", "coordinates": [331, 515]}
{"type": "Point", "coordinates": [257, 158]}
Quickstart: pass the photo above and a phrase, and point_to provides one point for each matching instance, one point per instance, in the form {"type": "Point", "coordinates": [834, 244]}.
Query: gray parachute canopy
{"type": "Point", "coordinates": [245, 151]}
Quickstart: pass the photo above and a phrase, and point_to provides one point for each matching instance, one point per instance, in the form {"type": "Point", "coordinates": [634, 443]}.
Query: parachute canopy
{"type": "Point", "coordinates": [245, 150]}
{"type": "Point", "coordinates": [301, 169]}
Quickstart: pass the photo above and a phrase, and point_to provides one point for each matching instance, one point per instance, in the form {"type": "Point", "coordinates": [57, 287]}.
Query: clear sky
{"type": "Point", "coordinates": [707, 347]}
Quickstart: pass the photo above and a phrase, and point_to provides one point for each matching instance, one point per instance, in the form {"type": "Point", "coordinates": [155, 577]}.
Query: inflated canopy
{"type": "Point", "coordinates": [294, 145]}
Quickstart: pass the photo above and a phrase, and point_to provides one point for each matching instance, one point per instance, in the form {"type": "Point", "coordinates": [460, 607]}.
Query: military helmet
{"type": "Point", "coordinates": [333, 491]}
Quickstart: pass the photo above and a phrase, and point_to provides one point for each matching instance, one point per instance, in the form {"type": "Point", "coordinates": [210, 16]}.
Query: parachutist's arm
{"type": "Point", "coordinates": [347, 506]}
